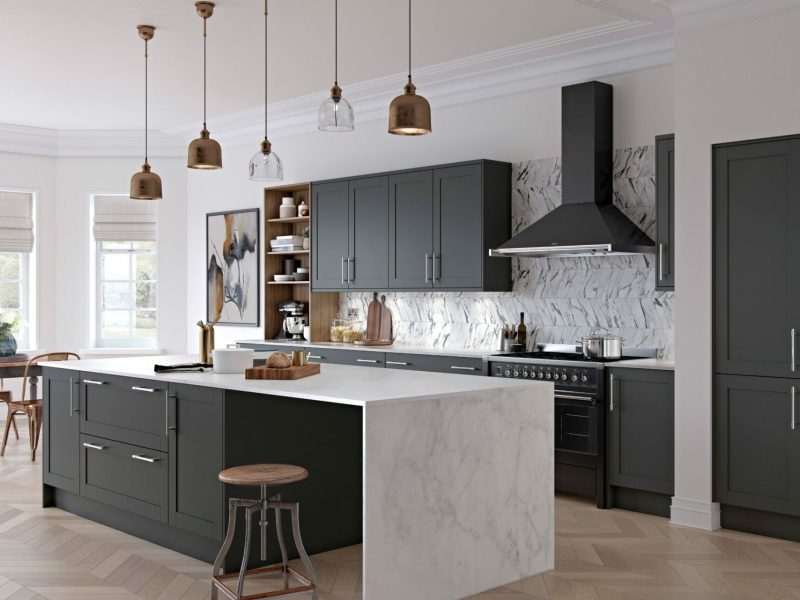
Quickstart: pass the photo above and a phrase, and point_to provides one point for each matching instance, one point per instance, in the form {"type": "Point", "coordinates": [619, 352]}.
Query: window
{"type": "Point", "coordinates": [125, 273]}
{"type": "Point", "coordinates": [15, 293]}
{"type": "Point", "coordinates": [126, 294]}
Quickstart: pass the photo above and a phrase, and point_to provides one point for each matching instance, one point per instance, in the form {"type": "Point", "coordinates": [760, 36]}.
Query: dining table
{"type": "Point", "coordinates": [12, 367]}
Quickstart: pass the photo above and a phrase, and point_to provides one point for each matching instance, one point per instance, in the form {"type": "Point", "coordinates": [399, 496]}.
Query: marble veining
{"type": "Point", "coordinates": [563, 298]}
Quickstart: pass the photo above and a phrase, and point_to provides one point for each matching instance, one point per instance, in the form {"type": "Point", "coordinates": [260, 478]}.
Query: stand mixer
{"type": "Point", "coordinates": [294, 319]}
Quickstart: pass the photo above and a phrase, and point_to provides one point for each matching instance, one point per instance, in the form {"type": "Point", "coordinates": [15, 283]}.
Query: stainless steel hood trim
{"type": "Point", "coordinates": [585, 250]}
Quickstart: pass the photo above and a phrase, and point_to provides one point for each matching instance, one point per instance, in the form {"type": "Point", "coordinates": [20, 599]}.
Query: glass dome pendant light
{"type": "Point", "coordinates": [335, 113]}
{"type": "Point", "coordinates": [145, 185]}
{"type": "Point", "coordinates": [409, 114]}
{"type": "Point", "coordinates": [265, 164]}
{"type": "Point", "coordinates": [204, 153]}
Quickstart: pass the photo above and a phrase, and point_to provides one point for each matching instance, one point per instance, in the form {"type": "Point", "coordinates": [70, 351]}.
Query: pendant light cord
{"type": "Point", "coordinates": [266, 71]}
{"type": "Point", "coordinates": [336, 42]}
{"type": "Point", "coordinates": [145, 101]}
{"type": "Point", "coordinates": [205, 20]}
{"type": "Point", "coordinates": [409, 41]}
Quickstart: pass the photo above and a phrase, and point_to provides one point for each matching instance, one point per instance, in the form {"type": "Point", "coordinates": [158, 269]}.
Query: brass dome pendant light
{"type": "Point", "coordinates": [335, 113]}
{"type": "Point", "coordinates": [204, 153]}
{"type": "Point", "coordinates": [265, 164]}
{"type": "Point", "coordinates": [409, 114]}
{"type": "Point", "coordinates": [145, 185]}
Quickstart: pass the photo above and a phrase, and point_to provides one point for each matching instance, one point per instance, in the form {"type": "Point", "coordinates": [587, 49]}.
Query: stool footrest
{"type": "Point", "coordinates": [306, 585]}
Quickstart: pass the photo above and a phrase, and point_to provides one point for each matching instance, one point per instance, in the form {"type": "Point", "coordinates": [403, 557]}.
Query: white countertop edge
{"type": "Point", "coordinates": [237, 383]}
{"type": "Point", "coordinates": [661, 364]}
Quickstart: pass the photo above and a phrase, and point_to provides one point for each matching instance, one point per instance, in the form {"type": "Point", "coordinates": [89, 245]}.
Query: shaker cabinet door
{"type": "Point", "coordinates": [411, 230]}
{"type": "Point", "coordinates": [458, 227]}
{"type": "Point", "coordinates": [61, 430]}
{"type": "Point", "coordinates": [329, 235]}
{"type": "Point", "coordinates": [369, 227]}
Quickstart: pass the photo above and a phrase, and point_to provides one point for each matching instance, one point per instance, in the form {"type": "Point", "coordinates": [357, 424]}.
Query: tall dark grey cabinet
{"type": "Point", "coordinates": [665, 213]}
{"type": "Point", "coordinates": [756, 322]}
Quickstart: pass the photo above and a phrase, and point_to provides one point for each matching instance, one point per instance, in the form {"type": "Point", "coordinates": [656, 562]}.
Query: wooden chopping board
{"type": "Point", "coordinates": [386, 321]}
{"type": "Point", "coordinates": [265, 372]}
{"type": "Point", "coordinates": [374, 313]}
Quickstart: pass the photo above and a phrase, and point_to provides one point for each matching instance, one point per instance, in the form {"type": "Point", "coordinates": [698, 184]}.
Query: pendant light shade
{"type": "Point", "coordinates": [204, 153]}
{"type": "Point", "coordinates": [145, 185]}
{"type": "Point", "coordinates": [409, 114]}
{"type": "Point", "coordinates": [265, 164]}
{"type": "Point", "coordinates": [335, 113]}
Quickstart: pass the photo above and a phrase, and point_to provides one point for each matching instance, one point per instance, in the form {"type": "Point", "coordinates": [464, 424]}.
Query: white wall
{"type": "Point", "coordinates": [731, 83]}
{"type": "Point", "coordinates": [519, 127]}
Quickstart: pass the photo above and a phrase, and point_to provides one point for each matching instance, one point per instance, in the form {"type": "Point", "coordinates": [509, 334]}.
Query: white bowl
{"type": "Point", "coordinates": [232, 360]}
{"type": "Point", "coordinates": [284, 278]}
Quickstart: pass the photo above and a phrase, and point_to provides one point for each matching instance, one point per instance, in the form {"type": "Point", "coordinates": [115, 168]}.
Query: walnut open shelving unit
{"type": "Point", "coordinates": [321, 307]}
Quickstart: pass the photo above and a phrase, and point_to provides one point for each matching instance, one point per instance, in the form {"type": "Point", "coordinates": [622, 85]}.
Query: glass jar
{"type": "Point", "coordinates": [338, 328]}
{"type": "Point", "coordinates": [347, 331]}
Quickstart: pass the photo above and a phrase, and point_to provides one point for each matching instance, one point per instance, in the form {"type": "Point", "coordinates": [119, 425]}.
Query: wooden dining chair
{"type": "Point", "coordinates": [31, 407]}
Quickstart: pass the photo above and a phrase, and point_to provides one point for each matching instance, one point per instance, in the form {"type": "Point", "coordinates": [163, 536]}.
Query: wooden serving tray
{"type": "Point", "coordinates": [265, 372]}
{"type": "Point", "coordinates": [373, 342]}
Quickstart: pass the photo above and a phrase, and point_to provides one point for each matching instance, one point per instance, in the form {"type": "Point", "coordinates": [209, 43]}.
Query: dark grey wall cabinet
{"type": "Point", "coordinates": [439, 224]}
{"type": "Point", "coordinates": [195, 459]}
{"type": "Point", "coordinates": [757, 269]}
{"type": "Point", "coordinates": [61, 430]}
{"type": "Point", "coordinates": [665, 213]}
{"type": "Point", "coordinates": [331, 245]}
{"type": "Point", "coordinates": [757, 443]}
{"type": "Point", "coordinates": [641, 429]}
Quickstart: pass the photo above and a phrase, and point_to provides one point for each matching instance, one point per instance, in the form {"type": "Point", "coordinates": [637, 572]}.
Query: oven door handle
{"type": "Point", "coordinates": [589, 399]}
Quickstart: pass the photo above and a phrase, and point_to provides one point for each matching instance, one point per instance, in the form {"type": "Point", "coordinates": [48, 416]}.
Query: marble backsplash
{"type": "Point", "coordinates": [562, 298]}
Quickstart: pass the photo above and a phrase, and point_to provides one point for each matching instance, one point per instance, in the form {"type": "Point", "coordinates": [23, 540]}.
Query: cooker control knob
{"type": "Point", "coordinates": [499, 370]}
{"type": "Point", "coordinates": [507, 373]}
{"type": "Point", "coordinates": [540, 375]}
{"type": "Point", "coordinates": [548, 375]}
{"type": "Point", "coordinates": [563, 377]}
{"type": "Point", "coordinates": [516, 372]}
{"type": "Point", "coordinates": [525, 372]}
{"type": "Point", "coordinates": [574, 377]}
{"type": "Point", "coordinates": [584, 378]}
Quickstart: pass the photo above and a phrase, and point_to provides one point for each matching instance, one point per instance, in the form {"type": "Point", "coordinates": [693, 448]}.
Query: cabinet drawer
{"type": "Point", "coordinates": [346, 357]}
{"type": "Point", "coordinates": [130, 410]}
{"type": "Point", "coordinates": [438, 364]}
{"type": "Point", "coordinates": [127, 477]}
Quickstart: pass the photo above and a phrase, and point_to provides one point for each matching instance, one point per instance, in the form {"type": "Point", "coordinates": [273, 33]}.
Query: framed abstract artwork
{"type": "Point", "coordinates": [233, 267]}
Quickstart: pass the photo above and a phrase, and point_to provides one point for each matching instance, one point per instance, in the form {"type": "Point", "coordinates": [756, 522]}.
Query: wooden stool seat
{"type": "Point", "coordinates": [263, 475]}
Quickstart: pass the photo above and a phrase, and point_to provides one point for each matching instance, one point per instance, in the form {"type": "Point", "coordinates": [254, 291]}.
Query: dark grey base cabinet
{"type": "Point", "coordinates": [640, 425]}
{"type": "Point", "coordinates": [61, 429]}
{"type": "Point", "coordinates": [418, 229]}
{"type": "Point", "coordinates": [665, 213]}
{"type": "Point", "coordinates": [757, 443]}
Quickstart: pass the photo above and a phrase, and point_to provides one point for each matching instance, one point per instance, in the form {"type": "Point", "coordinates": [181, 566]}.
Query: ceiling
{"type": "Point", "coordinates": [78, 65]}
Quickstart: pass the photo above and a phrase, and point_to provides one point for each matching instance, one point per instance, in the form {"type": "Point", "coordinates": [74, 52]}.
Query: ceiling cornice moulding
{"type": "Point", "coordinates": [692, 14]}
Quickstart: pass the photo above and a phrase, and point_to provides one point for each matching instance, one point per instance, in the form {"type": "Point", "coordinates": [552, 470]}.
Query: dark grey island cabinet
{"type": "Point", "coordinates": [143, 456]}
{"type": "Point", "coordinates": [640, 425]}
{"type": "Point", "coordinates": [418, 229]}
{"type": "Point", "coordinates": [756, 323]}
{"type": "Point", "coordinates": [665, 213]}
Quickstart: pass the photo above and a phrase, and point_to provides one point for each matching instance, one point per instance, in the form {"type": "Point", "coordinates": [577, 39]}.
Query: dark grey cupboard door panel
{"type": "Point", "coordinates": [369, 228]}
{"type": "Point", "coordinates": [61, 433]}
{"type": "Point", "coordinates": [363, 358]}
{"type": "Point", "coordinates": [458, 227]}
{"type": "Point", "coordinates": [126, 477]}
{"type": "Point", "coordinates": [457, 365]}
{"type": "Point", "coordinates": [411, 230]}
{"type": "Point", "coordinates": [329, 235]}
{"type": "Point", "coordinates": [757, 257]}
{"type": "Point", "coordinates": [756, 450]}
{"type": "Point", "coordinates": [665, 213]}
{"type": "Point", "coordinates": [641, 430]}
{"type": "Point", "coordinates": [195, 460]}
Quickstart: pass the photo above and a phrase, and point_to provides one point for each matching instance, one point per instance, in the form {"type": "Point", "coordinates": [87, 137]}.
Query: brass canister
{"type": "Point", "coordinates": [209, 344]}
{"type": "Point", "coordinates": [202, 344]}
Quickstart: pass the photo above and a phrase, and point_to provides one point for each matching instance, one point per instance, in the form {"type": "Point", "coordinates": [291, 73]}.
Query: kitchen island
{"type": "Point", "coordinates": [446, 480]}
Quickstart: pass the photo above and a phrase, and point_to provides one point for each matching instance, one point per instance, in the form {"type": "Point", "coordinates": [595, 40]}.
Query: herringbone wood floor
{"type": "Point", "coordinates": [600, 555]}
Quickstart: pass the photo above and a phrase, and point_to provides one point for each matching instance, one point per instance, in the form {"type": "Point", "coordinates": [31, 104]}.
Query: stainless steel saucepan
{"type": "Point", "coordinates": [601, 345]}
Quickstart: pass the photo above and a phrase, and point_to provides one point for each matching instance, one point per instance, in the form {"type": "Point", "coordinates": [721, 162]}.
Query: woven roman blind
{"type": "Point", "coordinates": [120, 219]}
{"type": "Point", "coordinates": [16, 222]}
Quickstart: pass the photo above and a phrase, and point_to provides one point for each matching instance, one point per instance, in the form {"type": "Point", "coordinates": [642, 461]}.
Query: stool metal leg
{"type": "Point", "coordinates": [263, 523]}
{"type": "Point", "coordinates": [282, 544]}
{"type": "Point", "coordinates": [248, 519]}
{"type": "Point", "coordinates": [298, 542]}
{"type": "Point", "coordinates": [226, 545]}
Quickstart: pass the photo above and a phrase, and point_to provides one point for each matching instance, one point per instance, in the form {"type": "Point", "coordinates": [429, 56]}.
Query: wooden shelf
{"type": "Point", "coordinates": [288, 253]}
{"type": "Point", "coordinates": [290, 220]}
{"type": "Point", "coordinates": [288, 282]}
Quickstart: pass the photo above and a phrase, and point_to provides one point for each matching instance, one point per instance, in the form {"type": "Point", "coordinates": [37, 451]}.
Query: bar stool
{"type": "Point", "coordinates": [263, 475]}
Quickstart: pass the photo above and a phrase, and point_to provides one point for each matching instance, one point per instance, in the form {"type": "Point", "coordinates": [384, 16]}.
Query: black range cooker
{"type": "Point", "coordinates": [579, 410]}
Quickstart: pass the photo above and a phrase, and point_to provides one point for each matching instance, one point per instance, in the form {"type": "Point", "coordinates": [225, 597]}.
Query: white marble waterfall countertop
{"type": "Point", "coordinates": [341, 384]}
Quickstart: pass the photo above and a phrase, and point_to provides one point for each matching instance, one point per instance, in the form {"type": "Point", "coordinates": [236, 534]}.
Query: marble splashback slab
{"type": "Point", "coordinates": [563, 298]}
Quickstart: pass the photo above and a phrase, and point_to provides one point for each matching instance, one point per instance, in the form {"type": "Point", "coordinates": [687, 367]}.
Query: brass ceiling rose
{"type": "Point", "coordinates": [204, 9]}
{"type": "Point", "coordinates": [145, 185]}
{"type": "Point", "coordinates": [410, 114]}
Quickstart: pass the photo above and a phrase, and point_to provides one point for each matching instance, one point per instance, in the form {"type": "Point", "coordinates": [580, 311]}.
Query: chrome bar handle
{"type": "Point", "coordinates": [611, 392]}
{"type": "Point", "coordinates": [93, 446]}
{"type": "Point", "coordinates": [459, 368]}
{"type": "Point", "coordinates": [351, 278]}
{"type": "Point", "coordinates": [343, 259]}
{"type": "Point", "coordinates": [433, 264]}
{"type": "Point", "coordinates": [367, 360]}
{"type": "Point", "coordinates": [167, 398]}
{"type": "Point", "coordinates": [143, 458]}
{"type": "Point", "coordinates": [94, 382]}
{"type": "Point", "coordinates": [316, 356]}
{"type": "Point", "coordinates": [793, 424]}
{"type": "Point", "coordinates": [72, 409]}
{"type": "Point", "coordinates": [137, 388]}
{"type": "Point", "coordinates": [397, 362]}
{"type": "Point", "coordinates": [427, 273]}
{"type": "Point", "coordinates": [792, 350]}
{"type": "Point", "coordinates": [661, 262]}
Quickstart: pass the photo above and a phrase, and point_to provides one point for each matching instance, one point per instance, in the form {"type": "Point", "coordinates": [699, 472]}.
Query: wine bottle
{"type": "Point", "coordinates": [522, 331]}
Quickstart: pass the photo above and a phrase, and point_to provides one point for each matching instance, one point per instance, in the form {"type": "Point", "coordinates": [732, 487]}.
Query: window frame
{"type": "Point", "coordinates": [129, 342]}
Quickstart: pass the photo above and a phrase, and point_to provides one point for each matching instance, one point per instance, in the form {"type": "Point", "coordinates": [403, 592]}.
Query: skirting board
{"type": "Point", "coordinates": [695, 513]}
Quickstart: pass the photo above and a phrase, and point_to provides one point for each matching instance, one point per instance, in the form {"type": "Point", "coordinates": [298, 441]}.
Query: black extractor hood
{"type": "Point", "coordinates": [586, 223]}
